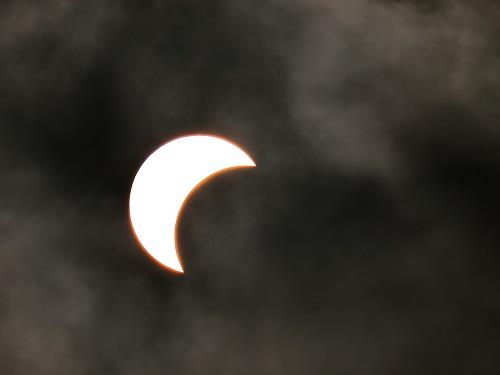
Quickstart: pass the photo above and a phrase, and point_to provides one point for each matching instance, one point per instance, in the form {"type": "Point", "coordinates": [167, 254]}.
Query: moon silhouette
{"type": "Point", "coordinates": [163, 184]}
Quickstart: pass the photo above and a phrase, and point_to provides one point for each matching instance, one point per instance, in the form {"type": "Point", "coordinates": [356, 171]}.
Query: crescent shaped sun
{"type": "Point", "coordinates": [165, 181]}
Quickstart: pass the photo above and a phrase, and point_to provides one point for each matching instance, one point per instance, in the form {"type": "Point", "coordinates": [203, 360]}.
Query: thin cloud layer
{"type": "Point", "coordinates": [365, 241]}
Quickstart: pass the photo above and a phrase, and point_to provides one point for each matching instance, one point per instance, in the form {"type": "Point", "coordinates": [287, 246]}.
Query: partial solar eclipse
{"type": "Point", "coordinates": [165, 181]}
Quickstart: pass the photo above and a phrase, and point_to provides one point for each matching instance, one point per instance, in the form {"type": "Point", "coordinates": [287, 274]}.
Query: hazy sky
{"type": "Point", "coordinates": [366, 241]}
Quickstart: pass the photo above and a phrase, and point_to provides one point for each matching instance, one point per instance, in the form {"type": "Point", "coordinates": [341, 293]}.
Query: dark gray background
{"type": "Point", "coordinates": [366, 241]}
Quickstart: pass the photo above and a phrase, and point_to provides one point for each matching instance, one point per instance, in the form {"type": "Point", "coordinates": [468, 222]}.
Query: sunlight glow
{"type": "Point", "coordinates": [164, 182]}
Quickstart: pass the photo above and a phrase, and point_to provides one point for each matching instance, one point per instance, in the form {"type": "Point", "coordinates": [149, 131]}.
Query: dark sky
{"type": "Point", "coordinates": [366, 241]}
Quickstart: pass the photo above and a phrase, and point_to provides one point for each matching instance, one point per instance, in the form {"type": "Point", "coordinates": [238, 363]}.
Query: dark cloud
{"type": "Point", "coordinates": [365, 242]}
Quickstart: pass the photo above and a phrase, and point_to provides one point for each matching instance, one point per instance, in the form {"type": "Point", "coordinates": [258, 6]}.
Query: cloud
{"type": "Point", "coordinates": [364, 242]}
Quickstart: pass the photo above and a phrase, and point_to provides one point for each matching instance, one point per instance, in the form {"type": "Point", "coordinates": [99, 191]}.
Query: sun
{"type": "Point", "coordinates": [164, 182]}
